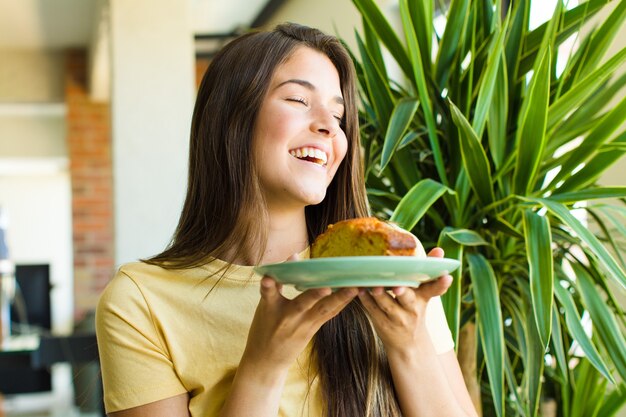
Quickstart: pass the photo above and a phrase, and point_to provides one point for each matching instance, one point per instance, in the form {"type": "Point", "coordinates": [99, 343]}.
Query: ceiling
{"type": "Point", "coordinates": [56, 24]}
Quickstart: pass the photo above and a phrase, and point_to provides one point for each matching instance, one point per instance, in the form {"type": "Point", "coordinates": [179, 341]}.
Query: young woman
{"type": "Point", "coordinates": [274, 159]}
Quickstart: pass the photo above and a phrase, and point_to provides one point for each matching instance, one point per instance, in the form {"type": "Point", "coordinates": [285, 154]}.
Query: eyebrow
{"type": "Point", "coordinates": [309, 86]}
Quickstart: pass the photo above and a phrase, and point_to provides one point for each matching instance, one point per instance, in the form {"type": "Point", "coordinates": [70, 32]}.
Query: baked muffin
{"type": "Point", "coordinates": [366, 236]}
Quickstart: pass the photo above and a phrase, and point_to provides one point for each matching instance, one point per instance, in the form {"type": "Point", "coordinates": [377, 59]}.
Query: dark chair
{"type": "Point", "coordinates": [32, 305]}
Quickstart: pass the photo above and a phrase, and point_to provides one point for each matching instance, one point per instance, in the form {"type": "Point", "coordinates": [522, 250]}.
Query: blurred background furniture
{"type": "Point", "coordinates": [27, 356]}
{"type": "Point", "coordinates": [31, 314]}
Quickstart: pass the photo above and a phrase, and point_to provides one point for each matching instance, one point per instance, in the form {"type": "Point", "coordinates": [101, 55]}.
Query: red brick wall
{"type": "Point", "coordinates": [89, 150]}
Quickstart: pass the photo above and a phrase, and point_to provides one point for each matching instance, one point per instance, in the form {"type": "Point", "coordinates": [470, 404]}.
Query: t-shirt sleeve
{"type": "Point", "coordinates": [437, 326]}
{"type": "Point", "coordinates": [136, 367]}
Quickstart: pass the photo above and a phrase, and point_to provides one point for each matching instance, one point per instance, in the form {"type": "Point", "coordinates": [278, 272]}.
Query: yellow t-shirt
{"type": "Point", "coordinates": [163, 332]}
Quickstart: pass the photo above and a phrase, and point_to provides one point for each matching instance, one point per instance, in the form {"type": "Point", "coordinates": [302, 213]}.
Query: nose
{"type": "Point", "coordinates": [324, 123]}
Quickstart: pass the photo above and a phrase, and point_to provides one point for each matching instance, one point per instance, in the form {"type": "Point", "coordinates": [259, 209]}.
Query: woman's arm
{"type": "Point", "coordinates": [280, 331]}
{"type": "Point", "coordinates": [431, 385]}
{"type": "Point", "coordinates": [427, 384]}
{"type": "Point", "coordinates": [170, 407]}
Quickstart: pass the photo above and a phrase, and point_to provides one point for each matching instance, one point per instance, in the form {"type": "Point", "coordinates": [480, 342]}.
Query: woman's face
{"type": "Point", "coordinates": [298, 141]}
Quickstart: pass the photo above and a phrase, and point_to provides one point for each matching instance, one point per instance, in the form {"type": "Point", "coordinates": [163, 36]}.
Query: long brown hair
{"type": "Point", "coordinates": [221, 208]}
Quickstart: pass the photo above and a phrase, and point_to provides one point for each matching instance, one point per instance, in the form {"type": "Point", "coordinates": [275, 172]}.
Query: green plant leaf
{"type": "Point", "coordinates": [489, 314]}
{"type": "Point", "coordinates": [539, 254]}
{"type": "Point", "coordinates": [593, 141]}
{"type": "Point", "coordinates": [421, 13]}
{"type": "Point", "coordinates": [557, 343]}
{"type": "Point", "coordinates": [603, 320]}
{"type": "Point", "coordinates": [531, 136]}
{"type": "Point", "coordinates": [586, 116]}
{"type": "Point", "coordinates": [602, 38]}
{"type": "Point", "coordinates": [466, 237]}
{"type": "Point", "coordinates": [488, 82]}
{"type": "Point", "coordinates": [510, 378]}
{"type": "Point", "coordinates": [401, 118]}
{"type": "Point", "coordinates": [615, 220]}
{"type": "Point", "coordinates": [613, 402]}
{"type": "Point", "coordinates": [514, 43]}
{"type": "Point", "coordinates": [608, 234]}
{"type": "Point", "coordinates": [422, 89]}
{"type": "Point", "coordinates": [405, 168]}
{"type": "Point", "coordinates": [534, 365]}
{"type": "Point", "coordinates": [505, 227]}
{"type": "Point", "coordinates": [410, 137]}
{"type": "Point", "coordinates": [486, 213]}
{"type": "Point", "coordinates": [373, 47]}
{"type": "Point", "coordinates": [452, 36]}
{"type": "Point", "coordinates": [498, 115]}
{"type": "Point", "coordinates": [572, 21]}
{"type": "Point", "coordinates": [382, 193]}
{"type": "Point", "coordinates": [382, 99]}
{"type": "Point", "coordinates": [451, 300]}
{"type": "Point", "coordinates": [588, 391]}
{"type": "Point", "coordinates": [575, 327]}
{"type": "Point", "coordinates": [586, 236]}
{"type": "Point", "coordinates": [559, 110]}
{"type": "Point", "coordinates": [595, 166]}
{"type": "Point", "coordinates": [474, 158]}
{"type": "Point", "coordinates": [416, 202]}
{"type": "Point", "coordinates": [589, 194]}
{"type": "Point", "coordinates": [377, 21]}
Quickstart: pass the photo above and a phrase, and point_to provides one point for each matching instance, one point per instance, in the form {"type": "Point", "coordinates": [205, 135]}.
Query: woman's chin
{"type": "Point", "coordinates": [312, 199]}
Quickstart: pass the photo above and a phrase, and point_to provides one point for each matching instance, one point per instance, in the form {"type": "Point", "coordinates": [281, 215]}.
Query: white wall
{"type": "Point", "coordinates": [152, 100]}
{"type": "Point", "coordinates": [34, 179]}
{"type": "Point", "coordinates": [334, 17]}
{"type": "Point", "coordinates": [40, 231]}
{"type": "Point", "coordinates": [31, 75]}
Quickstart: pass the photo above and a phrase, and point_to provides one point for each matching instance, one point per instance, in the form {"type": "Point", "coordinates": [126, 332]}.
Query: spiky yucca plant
{"type": "Point", "coordinates": [481, 147]}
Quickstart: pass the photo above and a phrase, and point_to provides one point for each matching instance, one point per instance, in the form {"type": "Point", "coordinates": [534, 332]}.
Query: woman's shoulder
{"type": "Point", "coordinates": [132, 280]}
{"type": "Point", "coordinates": [140, 268]}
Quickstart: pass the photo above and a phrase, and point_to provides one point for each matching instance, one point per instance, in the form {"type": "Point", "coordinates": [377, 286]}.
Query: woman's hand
{"type": "Point", "coordinates": [282, 328]}
{"type": "Point", "coordinates": [399, 315]}
{"type": "Point", "coordinates": [279, 333]}
{"type": "Point", "coordinates": [426, 383]}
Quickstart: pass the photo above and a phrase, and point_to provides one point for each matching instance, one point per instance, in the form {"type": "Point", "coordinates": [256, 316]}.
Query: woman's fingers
{"type": "Point", "coordinates": [406, 297]}
{"type": "Point", "coordinates": [321, 303]}
{"type": "Point", "coordinates": [270, 289]}
{"type": "Point", "coordinates": [369, 303]}
{"type": "Point", "coordinates": [330, 306]}
{"type": "Point", "coordinates": [293, 257]}
{"type": "Point", "coordinates": [436, 253]}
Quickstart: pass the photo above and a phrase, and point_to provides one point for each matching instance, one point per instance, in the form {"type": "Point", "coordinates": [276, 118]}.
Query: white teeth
{"type": "Point", "coordinates": [321, 155]}
{"type": "Point", "coordinates": [307, 152]}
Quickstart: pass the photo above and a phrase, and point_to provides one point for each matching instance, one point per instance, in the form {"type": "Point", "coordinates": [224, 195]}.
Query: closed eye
{"type": "Point", "coordinates": [298, 100]}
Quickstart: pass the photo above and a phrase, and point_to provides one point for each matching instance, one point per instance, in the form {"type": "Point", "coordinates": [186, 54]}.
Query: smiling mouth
{"type": "Point", "coordinates": [313, 155]}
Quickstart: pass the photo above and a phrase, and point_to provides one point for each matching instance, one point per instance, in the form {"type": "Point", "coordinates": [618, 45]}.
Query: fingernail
{"type": "Point", "coordinates": [399, 290]}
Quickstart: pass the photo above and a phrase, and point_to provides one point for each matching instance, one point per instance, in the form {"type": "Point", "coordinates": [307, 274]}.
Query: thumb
{"type": "Point", "coordinates": [270, 289]}
{"type": "Point", "coordinates": [436, 253]}
{"type": "Point", "coordinates": [435, 288]}
{"type": "Point", "coordinates": [293, 257]}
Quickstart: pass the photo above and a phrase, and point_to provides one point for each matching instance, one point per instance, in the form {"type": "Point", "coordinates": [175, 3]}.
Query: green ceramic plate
{"type": "Point", "coordinates": [359, 271]}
